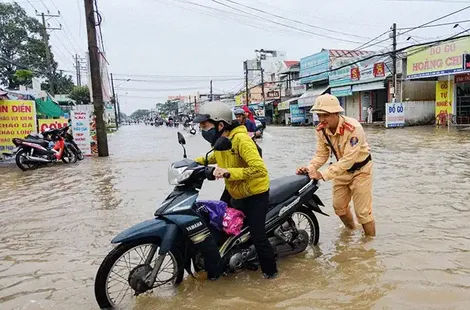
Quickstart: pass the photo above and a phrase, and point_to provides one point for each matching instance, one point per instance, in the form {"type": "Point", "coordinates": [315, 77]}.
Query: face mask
{"type": "Point", "coordinates": [210, 135]}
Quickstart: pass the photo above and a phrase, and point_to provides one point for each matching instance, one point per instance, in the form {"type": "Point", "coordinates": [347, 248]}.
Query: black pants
{"type": "Point", "coordinates": [255, 208]}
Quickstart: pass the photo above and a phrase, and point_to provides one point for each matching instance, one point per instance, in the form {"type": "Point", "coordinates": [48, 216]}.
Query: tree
{"type": "Point", "coordinates": [23, 77]}
{"type": "Point", "coordinates": [81, 94]}
{"type": "Point", "coordinates": [63, 84]}
{"type": "Point", "coordinates": [21, 45]}
{"type": "Point", "coordinates": [140, 113]}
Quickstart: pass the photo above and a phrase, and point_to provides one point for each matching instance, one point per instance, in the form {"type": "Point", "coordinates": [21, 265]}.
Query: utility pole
{"type": "Point", "coordinates": [78, 68]}
{"type": "Point", "coordinates": [195, 105]}
{"type": "Point", "coordinates": [262, 86]}
{"type": "Point", "coordinates": [394, 60]}
{"type": "Point", "coordinates": [245, 66]}
{"type": "Point", "coordinates": [45, 38]}
{"type": "Point", "coordinates": [118, 108]}
{"type": "Point", "coordinates": [211, 98]}
{"type": "Point", "coordinates": [114, 102]}
{"type": "Point", "coordinates": [96, 79]}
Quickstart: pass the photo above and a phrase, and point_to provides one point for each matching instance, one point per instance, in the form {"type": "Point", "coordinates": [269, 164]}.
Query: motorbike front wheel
{"type": "Point", "coordinates": [120, 276]}
{"type": "Point", "coordinates": [69, 155]}
{"type": "Point", "coordinates": [306, 220]}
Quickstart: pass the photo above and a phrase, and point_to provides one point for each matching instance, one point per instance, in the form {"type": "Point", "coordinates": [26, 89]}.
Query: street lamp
{"type": "Point", "coordinates": [410, 38]}
{"type": "Point", "coordinates": [458, 25]}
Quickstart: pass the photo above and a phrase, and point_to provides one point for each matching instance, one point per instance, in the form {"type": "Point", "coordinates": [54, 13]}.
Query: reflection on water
{"type": "Point", "coordinates": [57, 224]}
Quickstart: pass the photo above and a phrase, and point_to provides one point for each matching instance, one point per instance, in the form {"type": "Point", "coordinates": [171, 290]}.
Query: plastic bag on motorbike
{"type": "Point", "coordinates": [233, 221]}
{"type": "Point", "coordinates": [214, 210]}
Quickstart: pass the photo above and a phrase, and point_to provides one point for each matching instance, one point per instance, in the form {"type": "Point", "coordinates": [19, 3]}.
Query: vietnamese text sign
{"type": "Point", "coordinates": [49, 124]}
{"type": "Point", "coordinates": [297, 114]}
{"type": "Point", "coordinates": [17, 120]}
{"type": "Point", "coordinates": [394, 115]}
{"type": "Point", "coordinates": [358, 70]}
{"type": "Point", "coordinates": [441, 59]}
{"type": "Point", "coordinates": [314, 67]}
{"type": "Point", "coordinates": [81, 130]}
{"type": "Point", "coordinates": [444, 97]}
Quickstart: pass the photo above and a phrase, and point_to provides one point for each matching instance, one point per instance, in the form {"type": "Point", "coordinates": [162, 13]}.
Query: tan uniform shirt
{"type": "Point", "coordinates": [350, 145]}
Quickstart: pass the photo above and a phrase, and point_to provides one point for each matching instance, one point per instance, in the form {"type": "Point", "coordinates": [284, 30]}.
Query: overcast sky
{"type": "Point", "coordinates": [177, 38]}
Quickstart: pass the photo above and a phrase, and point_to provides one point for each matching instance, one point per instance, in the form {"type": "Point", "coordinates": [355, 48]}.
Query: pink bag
{"type": "Point", "coordinates": [233, 221]}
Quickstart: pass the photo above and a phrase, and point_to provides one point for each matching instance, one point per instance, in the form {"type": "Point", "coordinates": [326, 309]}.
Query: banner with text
{"type": "Point", "coordinates": [49, 124]}
{"type": "Point", "coordinates": [394, 115]}
{"type": "Point", "coordinates": [17, 120]}
{"type": "Point", "coordinates": [444, 95]}
{"type": "Point", "coordinates": [442, 59]}
{"type": "Point", "coordinates": [81, 130]}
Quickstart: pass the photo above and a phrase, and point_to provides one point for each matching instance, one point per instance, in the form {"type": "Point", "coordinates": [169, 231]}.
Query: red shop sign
{"type": "Point", "coordinates": [355, 74]}
{"type": "Point", "coordinates": [459, 78]}
{"type": "Point", "coordinates": [379, 69]}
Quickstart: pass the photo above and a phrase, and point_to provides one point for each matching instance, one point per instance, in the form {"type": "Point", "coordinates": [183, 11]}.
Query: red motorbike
{"type": "Point", "coordinates": [34, 153]}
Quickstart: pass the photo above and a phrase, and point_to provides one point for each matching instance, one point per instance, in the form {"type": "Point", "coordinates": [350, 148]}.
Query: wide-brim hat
{"type": "Point", "coordinates": [326, 104]}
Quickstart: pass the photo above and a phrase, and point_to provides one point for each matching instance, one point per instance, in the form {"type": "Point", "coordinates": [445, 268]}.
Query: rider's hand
{"type": "Point", "coordinates": [315, 175]}
{"type": "Point", "coordinates": [258, 133]}
{"type": "Point", "coordinates": [302, 171]}
{"type": "Point", "coordinates": [219, 172]}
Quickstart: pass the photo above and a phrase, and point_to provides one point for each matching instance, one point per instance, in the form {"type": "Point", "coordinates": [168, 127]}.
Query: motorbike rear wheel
{"type": "Point", "coordinates": [305, 216]}
{"type": "Point", "coordinates": [21, 160]}
{"type": "Point", "coordinates": [130, 258]}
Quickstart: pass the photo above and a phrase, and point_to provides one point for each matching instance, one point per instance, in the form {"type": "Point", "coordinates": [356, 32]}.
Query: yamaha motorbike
{"type": "Point", "coordinates": [156, 252]}
{"type": "Point", "coordinates": [34, 152]}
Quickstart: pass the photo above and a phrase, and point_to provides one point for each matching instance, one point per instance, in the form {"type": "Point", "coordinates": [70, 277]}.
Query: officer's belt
{"type": "Point", "coordinates": [358, 166]}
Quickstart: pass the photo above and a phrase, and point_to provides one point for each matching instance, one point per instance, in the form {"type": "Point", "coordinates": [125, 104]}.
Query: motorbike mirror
{"type": "Point", "coordinates": [192, 131]}
{"type": "Point", "coordinates": [181, 139]}
{"type": "Point", "coordinates": [206, 160]}
{"type": "Point", "coordinates": [223, 144]}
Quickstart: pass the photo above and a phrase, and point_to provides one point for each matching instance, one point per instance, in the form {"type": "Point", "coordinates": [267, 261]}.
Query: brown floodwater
{"type": "Point", "coordinates": [56, 224]}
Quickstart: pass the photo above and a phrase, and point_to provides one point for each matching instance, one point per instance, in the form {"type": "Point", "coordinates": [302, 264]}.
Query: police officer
{"type": "Point", "coordinates": [344, 138]}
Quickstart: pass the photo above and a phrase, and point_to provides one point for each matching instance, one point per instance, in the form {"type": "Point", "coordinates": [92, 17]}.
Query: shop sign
{"type": "Point", "coordinates": [360, 71]}
{"type": "Point", "coordinates": [272, 94]}
{"type": "Point", "coordinates": [460, 78]}
{"type": "Point", "coordinates": [379, 69]}
{"type": "Point", "coordinates": [17, 120]}
{"type": "Point", "coordinates": [314, 67]}
{"type": "Point", "coordinates": [297, 89]}
{"type": "Point", "coordinates": [50, 124]}
{"type": "Point", "coordinates": [355, 74]}
{"type": "Point", "coordinates": [297, 115]}
{"type": "Point", "coordinates": [394, 115]}
{"type": "Point", "coordinates": [444, 94]}
{"type": "Point", "coordinates": [342, 91]}
{"type": "Point", "coordinates": [445, 58]}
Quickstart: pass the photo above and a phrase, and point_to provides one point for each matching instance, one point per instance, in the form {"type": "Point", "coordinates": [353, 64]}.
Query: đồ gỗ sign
{"type": "Point", "coordinates": [440, 59]}
{"type": "Point", "coordinates": [17, 120]}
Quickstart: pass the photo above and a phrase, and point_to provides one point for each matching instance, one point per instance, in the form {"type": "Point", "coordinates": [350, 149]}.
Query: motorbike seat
{"type": "Point", "coordinates": [41, 142]}
{"type": "Point", "coordinates": [283, 188]}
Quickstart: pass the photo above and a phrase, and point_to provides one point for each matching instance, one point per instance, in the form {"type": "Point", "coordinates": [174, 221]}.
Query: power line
{"type": "Point", "coordinates": [438, 25]}
{"type": "Point", "coordinates": [177, 81]}
{"type": "Point", "coordinates": [286, 25]}
{"type": "Point", "coordinates": [225, 18]}
{"type": "Point", "coordinates": [295, 21]}
{"type": "Point", "coordinates": [158, 90]}
{"type": "Point", "coordinates": [156, 76]}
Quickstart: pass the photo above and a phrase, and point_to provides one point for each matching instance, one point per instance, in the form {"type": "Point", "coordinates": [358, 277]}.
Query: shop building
{"type": "Point", "coordinates": [447, 66]}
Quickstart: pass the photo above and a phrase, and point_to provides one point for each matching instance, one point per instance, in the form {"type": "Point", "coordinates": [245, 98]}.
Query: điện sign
{"type": "Point", "coordinates": [17, 120]}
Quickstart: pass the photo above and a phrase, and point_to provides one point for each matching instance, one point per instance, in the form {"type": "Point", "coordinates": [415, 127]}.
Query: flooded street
{"type": "Point", "coordinates": [57, 223]}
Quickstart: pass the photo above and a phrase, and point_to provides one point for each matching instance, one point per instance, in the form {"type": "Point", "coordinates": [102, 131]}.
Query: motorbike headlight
{"type": "Point", "coordinates": [178, 175]}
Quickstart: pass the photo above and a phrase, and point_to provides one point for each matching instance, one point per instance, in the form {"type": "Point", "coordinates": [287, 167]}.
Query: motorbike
{"type": "Point", "coordinates": [155, 253]}
{"type": "Point", "coordinates": [35, 152]}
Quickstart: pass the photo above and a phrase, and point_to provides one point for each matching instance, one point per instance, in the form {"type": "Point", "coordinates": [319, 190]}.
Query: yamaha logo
{"type": "Point", "coordinates": [194, 226]}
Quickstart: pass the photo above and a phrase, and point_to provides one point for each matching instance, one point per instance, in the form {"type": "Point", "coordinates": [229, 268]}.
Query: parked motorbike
{"type": "Point", "coordinates": [156, 252]}
{"type": "Point", "coordinates": [34, 152]}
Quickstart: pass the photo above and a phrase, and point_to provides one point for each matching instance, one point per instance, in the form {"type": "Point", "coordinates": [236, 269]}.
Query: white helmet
{"type": "Point", "coordinates": [214, 111]}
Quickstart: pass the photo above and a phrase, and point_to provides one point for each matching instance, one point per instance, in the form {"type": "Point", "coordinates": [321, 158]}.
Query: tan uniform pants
{"type": "Point", "coordinates": [358, 186]}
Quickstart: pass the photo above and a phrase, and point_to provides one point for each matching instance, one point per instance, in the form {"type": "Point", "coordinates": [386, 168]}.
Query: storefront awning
{"type": "Point", "coordinates": [48, 108]}
{"type": "Point", "coordinates": [285, 104]}
{"type": "Point", "coordinates": [309, 97]}
{"type": "Point", "coordinates": [368, 86]}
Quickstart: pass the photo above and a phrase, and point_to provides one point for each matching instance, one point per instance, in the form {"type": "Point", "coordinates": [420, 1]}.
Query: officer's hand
{"type": "Point", "coordinates": [315, 175]}
{"type": "Point", "coordinates": [302, 171]}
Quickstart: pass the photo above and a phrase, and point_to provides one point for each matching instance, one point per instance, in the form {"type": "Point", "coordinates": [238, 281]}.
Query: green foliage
{"type": "Point", "coordinates": [81, 94]}
{"type": "Point", "coordinates": [21, 45]}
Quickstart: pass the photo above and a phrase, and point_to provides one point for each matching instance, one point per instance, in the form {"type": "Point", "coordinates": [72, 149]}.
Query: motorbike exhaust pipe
{"type": "Point", "coordinates": [38, 159]}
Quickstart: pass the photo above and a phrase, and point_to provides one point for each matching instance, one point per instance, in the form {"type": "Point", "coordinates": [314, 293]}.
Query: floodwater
{"type": "Point", "coordinates": [56, 224]}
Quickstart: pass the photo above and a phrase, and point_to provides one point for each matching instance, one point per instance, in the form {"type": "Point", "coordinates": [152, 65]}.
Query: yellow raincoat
{"type": "Point", "coordinates": [248, 173]}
